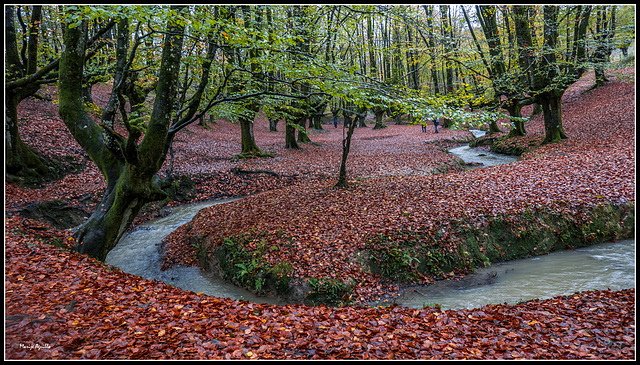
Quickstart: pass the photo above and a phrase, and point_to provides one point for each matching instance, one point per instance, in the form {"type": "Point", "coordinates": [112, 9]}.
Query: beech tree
{"type": "Point", "coordinates": [504, 76]}
{"type": "Point", "coordinates": [239, 57]}
{"type": "Point", "coordinates": [550, 71]}
{"type": "Point", "coordinates": [130, 159]}
{"type": "Point", "coordinates": [20, 158]}
{"type": "Point", "coordinates": [604, 33]}
{"type": "Point", "coordinates": [128, 165]}
{"type": "Point", "coordinates": [24, 75]}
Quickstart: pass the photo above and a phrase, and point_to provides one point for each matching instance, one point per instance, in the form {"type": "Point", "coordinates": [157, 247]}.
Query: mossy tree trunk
{"type": "Point", "coordinates": [21, 160]}
{"type": "Point", "coordinates": [249, 145]}
{"type": "Point", "coordinates": [318, 107]}
{"type": "Point", "coordinates": [514, 107]}
{"type": "Point", "coordinates": [303, 137]}
{"type": "Point", "coordinates": [23, 81]}
{"type": "Point", "coordinates": [360, 117]}
{"type": "Point", "coordinates": [549, 73]}
{"type": "Point", "coordinates": [552, 110]}
{"type": "Point", "coordinates": [129, 168]}
{"type": "Point", "coordinates": [248, 140]}
{"type": "Point", "coordinates": [493, 127]}
{"type": "Point", "coordinates": [290, 135]}
{"type": "Point", "coordinates": [378, 112]}
{"type": "Point", "coordinates": [603, 36]}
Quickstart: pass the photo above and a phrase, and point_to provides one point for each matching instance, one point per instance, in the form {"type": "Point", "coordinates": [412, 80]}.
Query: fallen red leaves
{"type": "Point", "coordinates": [318, 230]}
{"type": "Point", "coordinates": [62, 305]}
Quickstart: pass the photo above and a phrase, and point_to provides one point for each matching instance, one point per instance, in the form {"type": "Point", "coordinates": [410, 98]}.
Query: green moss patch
{"type": "Point", "coordinates": [405, 256]}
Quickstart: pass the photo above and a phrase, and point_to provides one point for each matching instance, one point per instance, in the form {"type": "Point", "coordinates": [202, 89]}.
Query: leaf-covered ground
{"type": "Point", "coordinates": [61, 305]}
{"type": "Point", "coordinates": [319, 230]}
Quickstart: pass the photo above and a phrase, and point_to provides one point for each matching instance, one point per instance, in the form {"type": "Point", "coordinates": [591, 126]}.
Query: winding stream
{"type": "Point", "coordinates": [138, 253]}
{"type": "Point", "coordinates": [604, 266]}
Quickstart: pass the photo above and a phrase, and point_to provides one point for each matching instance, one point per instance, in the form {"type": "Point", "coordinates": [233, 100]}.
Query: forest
{"type": "Point", "coordinates": [312, 114]}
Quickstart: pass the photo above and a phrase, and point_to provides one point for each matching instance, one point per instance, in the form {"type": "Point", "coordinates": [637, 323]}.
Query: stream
{"type": "Point", "coordinates": [138, 253]}
{"type": "Point", "coordinates": [604, 266]}
{"type": "Point", "coordinates": [480, 156]}
{"type": "Point", "coordinates": [608, 265]}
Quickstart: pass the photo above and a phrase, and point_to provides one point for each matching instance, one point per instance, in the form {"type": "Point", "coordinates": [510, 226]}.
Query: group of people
{"type": "Point", "coordinates": [436, 123]}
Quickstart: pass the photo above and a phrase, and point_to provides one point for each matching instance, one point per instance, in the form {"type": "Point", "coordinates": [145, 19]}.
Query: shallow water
{"type": "Point", "coordinates": [138, 253]}
{"type": "Point", "coordinates": [480, 156]}
{"type": "Point", "coordinates": [477, 133]}
{"type": "Point", "coordinates": [477, 155]}
{"type": "Point", "coordinates": [603, 266]}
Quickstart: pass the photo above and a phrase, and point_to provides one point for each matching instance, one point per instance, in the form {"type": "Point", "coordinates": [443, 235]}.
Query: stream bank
{"type": "Point", "coordinates": [603, 266]}
{"type": "Point", "coordinates": [407, 256]}
{"type": "Point", "coordinates": [138, 253]}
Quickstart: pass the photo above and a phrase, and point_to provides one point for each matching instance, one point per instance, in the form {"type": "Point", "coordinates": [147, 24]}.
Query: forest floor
{"type": "Point", "coordinates": [62, 305]}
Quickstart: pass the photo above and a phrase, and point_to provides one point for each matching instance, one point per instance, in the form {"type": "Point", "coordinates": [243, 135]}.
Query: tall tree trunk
{"type": "Point", "coordinates": [379, 112]}
{"type": "Point", "coordinates": [21, 160]}
{"type": "Point", "coordinates": [428, 9]}
{"type": "Point", "coordinates": [303, 137]}
{"type": "Point", "coordinates": [551, 103]}
{"type": "Point", "coordinates": [249, 146]}
{"type": "Point", "coordinates": [447, 35]}
{"type": "Point", "coordinates": [605, 31]}
{"type": "Point", "coordinates": [290, 136]}
{"type": "Point", "coordinates": [248, 142]}
{"type": "Point", "coordinates": [373, 70]}
{"type": "Point", "coordinates": [386, 60]}
{"type": "Point", "coordinates": [548, 80]}
{"type": "Point", "coordinates": [129, 169]}
{"type": "Point", "coordinates": [412, 62]}
{"type": "Point", "coordinates": [361, 114]}
{"type": "Point", "coordinates": [317, 122]}
{"type": "Point", "coordinates": [346, 145]}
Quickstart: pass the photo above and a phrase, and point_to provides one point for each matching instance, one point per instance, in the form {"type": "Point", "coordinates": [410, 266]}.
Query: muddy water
{"type": "Point", "coordinates": [603, 266]}
{"type": "Point", "coordinates": [138, 253]}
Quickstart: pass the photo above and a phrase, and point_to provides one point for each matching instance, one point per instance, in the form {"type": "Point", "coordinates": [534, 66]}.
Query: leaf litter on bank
{"type": "Point", "coordinates": [62, 305]}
